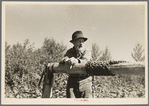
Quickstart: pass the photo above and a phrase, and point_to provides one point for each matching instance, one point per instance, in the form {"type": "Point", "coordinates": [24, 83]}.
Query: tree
{"type": "Point", "coordinates": [106, 55]}
{"type": "Point", "coordinates": [96, 53]}
{"type": "Point", "coordinates": [23, 69]}
{"type": "Point", "coordinates": [20, 70]}
{"type": "Point", "coordinates": [138, 53]}
{"type": "Point", "coordinates": [52, 51]}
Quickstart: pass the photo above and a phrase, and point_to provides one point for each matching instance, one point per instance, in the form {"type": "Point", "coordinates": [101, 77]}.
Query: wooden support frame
{"type": "Point", "coordinates": [121, 68]}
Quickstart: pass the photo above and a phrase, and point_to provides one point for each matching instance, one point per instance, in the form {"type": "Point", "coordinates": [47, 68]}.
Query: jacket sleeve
{"type": "Point", "coordinates": [86, 56]}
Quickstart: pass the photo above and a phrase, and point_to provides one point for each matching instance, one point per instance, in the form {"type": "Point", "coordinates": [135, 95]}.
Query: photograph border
{"type": "Point", "coordinates": [106, 101]}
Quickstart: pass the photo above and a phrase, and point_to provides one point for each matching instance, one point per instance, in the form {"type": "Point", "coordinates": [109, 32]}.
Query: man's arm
{"type": "Point", "coordinates": [83, 59]}
{"type": "Point", "coordinates": [67, 57]}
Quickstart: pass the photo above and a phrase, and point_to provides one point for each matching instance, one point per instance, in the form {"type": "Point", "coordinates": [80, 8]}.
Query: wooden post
{"type": "Point", "coordinates": [47, 84]}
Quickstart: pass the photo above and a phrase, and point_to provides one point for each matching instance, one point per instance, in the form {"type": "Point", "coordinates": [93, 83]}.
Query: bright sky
{"type": "Point", "coordinates": [118, 26]}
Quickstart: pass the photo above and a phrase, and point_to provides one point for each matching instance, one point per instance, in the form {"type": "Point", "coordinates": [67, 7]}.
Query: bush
{"type": "Point", "coordinates": [120, 86]}
{"type": "Point", "coordinates": [23, 69]}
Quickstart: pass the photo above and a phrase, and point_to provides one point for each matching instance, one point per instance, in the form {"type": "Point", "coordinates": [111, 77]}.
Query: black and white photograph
{"type": "Point", "coordinates": [93, 53]}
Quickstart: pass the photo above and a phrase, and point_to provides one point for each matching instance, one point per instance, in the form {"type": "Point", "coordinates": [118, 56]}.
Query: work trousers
{"type": "Point", "coordinates": [78, 89]}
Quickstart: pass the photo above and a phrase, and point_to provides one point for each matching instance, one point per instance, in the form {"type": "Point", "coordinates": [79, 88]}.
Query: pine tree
{"type": "Point", "coordinates": [106, 55]}
{"type": "Point", "coordinates": [138, 53]}
{"type": "Point", "coordinates": [96, 53]}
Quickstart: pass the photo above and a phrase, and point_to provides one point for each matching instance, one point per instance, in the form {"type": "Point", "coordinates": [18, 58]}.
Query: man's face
{"type": "Point", "coordinates": [78, 44]}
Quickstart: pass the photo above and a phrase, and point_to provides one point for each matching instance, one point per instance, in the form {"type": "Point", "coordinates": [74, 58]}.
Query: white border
{"type": "Point", "coordinates": [72, 101]}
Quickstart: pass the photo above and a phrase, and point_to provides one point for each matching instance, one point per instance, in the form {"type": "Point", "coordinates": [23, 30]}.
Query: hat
{"type": "Point", "coordinates": [77, 35]}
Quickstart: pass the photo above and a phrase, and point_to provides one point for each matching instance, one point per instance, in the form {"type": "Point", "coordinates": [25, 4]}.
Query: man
{"type": "Point", "coordinates": [78, 86]}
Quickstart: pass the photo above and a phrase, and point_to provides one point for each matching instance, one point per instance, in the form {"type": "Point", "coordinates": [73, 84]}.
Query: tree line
{"type": "Point", "coordinates": [98, 55]}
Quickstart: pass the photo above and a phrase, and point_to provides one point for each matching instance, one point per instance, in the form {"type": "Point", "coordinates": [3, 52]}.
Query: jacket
{"type": "Point", "coordinates": [82, 57]}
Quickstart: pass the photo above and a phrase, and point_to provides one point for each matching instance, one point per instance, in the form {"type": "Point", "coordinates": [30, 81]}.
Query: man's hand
{"type": "Point", "coordinates": [72, 61]}
{"type": "Point", "coordinates": [64, 60]}
{"type": "Point", "coordinates": [69, 61]}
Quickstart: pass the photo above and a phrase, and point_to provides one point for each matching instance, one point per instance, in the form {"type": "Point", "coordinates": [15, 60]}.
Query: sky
{"type": "Point", "coordinates": [118, 26]}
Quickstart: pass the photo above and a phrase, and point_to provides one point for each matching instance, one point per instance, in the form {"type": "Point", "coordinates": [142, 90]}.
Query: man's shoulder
{"type": "Point", "coordinates": [70, 50]}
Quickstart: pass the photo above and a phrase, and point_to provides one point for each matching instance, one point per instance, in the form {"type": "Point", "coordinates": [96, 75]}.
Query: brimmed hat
{"type": "Point", "coordinates": [77, 35]}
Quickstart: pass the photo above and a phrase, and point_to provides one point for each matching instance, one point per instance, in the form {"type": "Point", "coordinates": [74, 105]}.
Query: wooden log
{"type": "Point", "coordinates": [121, 68]}
{"type": "Point", "coordinates": [134, 68]}
{"type": "Point", "coordinates": [61, 68]}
